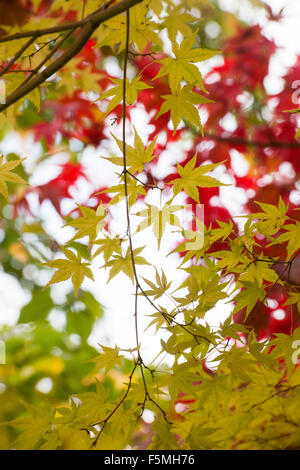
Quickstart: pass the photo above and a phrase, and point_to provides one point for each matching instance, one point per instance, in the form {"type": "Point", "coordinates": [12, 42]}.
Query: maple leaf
{"type": "Point", "coordinates": [272, 218]}
{"type": "Point", "coordinates": [134, 191]}
{"type": "Point", "coordinates": [182, 104]}
{"type": "Point", "coordinates": [182, 66]}
{"type": "Point", "coordinates": [248, 297]}
{"type": "Point", "coordinates": [292, 236]}
{"type": "Point", "coordinates": [72, 267]}
{"type": "Point", "coordinates": [93, 404]}
{"type": "Point", "coordinates": [294, 298]}
{"type": "Point", "coordinates": [33, 426]}
{"type": "Point", "coordinates": [108, 246]}
{"type": "Point", "coordinates": [221, 233]}
{"type": "Point", "coordinates": [88, 80]}
{"type": "Point", "coordinates": [176, 21]}
{"type": "Point", "coordinates": [116, 92]}
{"type": "Point", "coordinates": [89, 224]}
{"type": "Point", "coordinates": [136, 156]}
{"type": "Point", "coordinates": [123, 264]}
{"type": "Point", "coordinates": [159, 321]}
{"type": "Point", "coordinates": [109, 358]}
{"type": "Point", "coordinates": [159, 218]}
{"type": "Point", "coordinates": [285, 346]}
{"type": "Point", "coordinates": [141, 30]}
{"type": "Point", "coordinates": [197, 439]}
{"type": "Point", "coordinates": [259, 272]}
{"type": "Point", "coordinates": [156, 6]}
{"type": "Point", "coordinates": [161, 287]}
{"type": "Point", "coordinates": [163, 439]}
{"type": "Point", "coordinates": [192, 178]}
{"type": "Point", "coordinates": [6, 175]}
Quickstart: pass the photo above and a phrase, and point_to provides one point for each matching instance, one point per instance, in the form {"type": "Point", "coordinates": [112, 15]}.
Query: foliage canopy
{"type": "Point", "coordinates": [72, 71]}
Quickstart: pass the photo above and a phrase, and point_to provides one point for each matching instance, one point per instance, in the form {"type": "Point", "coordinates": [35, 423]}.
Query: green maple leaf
{"type": "Point", "coordinates": [182, 103]}
{"type": "Point", "coordinates": [134, 190]}
{"type": "Point", "coordinates": [248, 297]}
{"type": "Point", "coordinates": [294, 298]}
{"type": "Point", "coordinates": [177, 20]}
{"type": "Point", "coordinates": [159, 218]}
{"type": "Point", "coordinates": [182, 66]}
{"type": "Point", "coordinates": [221, 233]}
{"type": "Point", "coordinates": [88, 80]}
{"type": "Point", "coordinates": [292, 236]}
{"type": "Point", "coordinates": [33, 426]}
{"type": "Point", "coordinates": [7, 175]}
{"type": "Point", "coordinates": [136, 156]}
{"type": "Point", "coordinates": [132, 89]}
{"type": "Point", "coordinates": [94, 405]}
{"type": "Point", "coordinates": [109, 358]}
{"type": "Point", "coordinates": [141, 30]}
{"type": "Point", "coordinates": [88, 224]}
{"type": "Point", "coordinates": [123, 264]}
{"type": "Point", "coordinates": [272, 218]}
{"type": "Point", "coordinates": [259, 272]}
{"type": "Point", "coordinates": [108, 246]}
{"type": "Point", "coordinates": [158, 289]}
{"type": "Point", "coordinates": [240, 364]}
{"type": "Point", "coordinates": [163, 439]}
{"type": "Point", "coordinates": [285, 347]}
{"type": "Point", "coordinates": [191, 178]}
{"type": "Point", "coordinates": [198, 438]}
{"type": "Point", "coordinates": [72, 267]}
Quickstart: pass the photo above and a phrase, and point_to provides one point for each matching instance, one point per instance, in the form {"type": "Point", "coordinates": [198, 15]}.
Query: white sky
{"type": "Point", "coordinates": [118, 323]}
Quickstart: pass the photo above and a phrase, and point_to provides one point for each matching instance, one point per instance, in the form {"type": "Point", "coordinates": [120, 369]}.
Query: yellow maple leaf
{"type": "Point", "coordinates": [72, 267]}
{"type": "Point", "coordinates": [182, 65]}
{"type": "Point", "coordinates": [190, 178]}
{"type": "Point", "coordinates": [6, 175]}
{"type": "Point", "coordinates": [182, 103]}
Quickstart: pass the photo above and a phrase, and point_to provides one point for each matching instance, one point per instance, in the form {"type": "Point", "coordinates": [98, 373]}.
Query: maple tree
{"type": "Point", "coordinates": [231, 386]}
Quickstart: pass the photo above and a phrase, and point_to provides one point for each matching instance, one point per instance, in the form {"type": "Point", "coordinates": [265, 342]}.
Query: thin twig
{"type": "Point", "coordinates": [17, 55]}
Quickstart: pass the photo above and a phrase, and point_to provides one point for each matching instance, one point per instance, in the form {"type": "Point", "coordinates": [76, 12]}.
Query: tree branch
{"type": "Point", "coordinates": [89, 25]}
{"type": "Point", "coordinates": [18, 54]}
{"type": "Point", "coordinates": [94, 17]}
